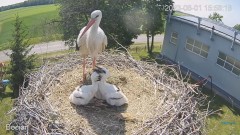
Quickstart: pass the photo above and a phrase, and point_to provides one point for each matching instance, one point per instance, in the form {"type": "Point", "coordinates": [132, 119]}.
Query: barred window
{"type": "Point", "coordinates": [174, 37]}
{"type": "Point", "coordinates": [229, 63]}
{"type": "Point", "coordinates": [197, 47]}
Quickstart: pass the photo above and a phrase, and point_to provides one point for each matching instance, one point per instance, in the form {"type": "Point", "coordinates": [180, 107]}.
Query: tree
{"type": "Point", "coordinates": [154, 14]}
{"type": "Point", "coordinates": [216, 17]}
{"type": "Point", "coordinates": [73, 17]}
{"type": "Point", "coordinates": [237, 26]}
{"type": "Point", "coordinates": [20, 63]}
{"type": "Point", "coordinates": [75, 14]}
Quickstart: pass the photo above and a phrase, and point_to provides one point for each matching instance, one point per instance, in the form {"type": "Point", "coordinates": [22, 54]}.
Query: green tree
{"type": "Point", "coordinates": [237, 26]}
{"type": "Point", "coordinates": [73, 17]}
{"type": "Point", "coordinates": [75, 14]}
{"type": "Point", "coordinates": [216, 17]}
{"type": "Point", "coordinates": [155, 12]}
{"type": "Point", "coordinates": [20, 63]}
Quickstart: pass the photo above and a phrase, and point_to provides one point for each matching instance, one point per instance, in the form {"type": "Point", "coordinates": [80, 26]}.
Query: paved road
{"type": "Point", "coordinates": [38, 49]}
{"type": "Point", "coordinates": [143, 39]}
{"type": "Point", "coordinates": [59, 45]}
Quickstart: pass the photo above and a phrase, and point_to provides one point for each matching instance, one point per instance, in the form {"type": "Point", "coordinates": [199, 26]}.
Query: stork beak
{"type": "Point", "coordinates": [90, 23]}
{"type": "Point", "coordinates": [99, 70]}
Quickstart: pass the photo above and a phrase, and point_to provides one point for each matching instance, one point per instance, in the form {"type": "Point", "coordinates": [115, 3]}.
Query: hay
{"type": "Point", "coordinates": [100, 118]}
{"type": "Point", "coordinates": [158, 102]}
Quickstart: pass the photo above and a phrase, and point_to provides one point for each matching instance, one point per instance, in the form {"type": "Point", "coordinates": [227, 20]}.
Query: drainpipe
{"type": "Point", "coordinates": [234, 38]}
{"type": "Point", "coordinates": [179, 41]}
{"type": "Point", "coordinates": [198, 27]}
{"type": "Point", "coordinates": [212, 31]}
{"type": "Point", "coordinates": [169, 15]}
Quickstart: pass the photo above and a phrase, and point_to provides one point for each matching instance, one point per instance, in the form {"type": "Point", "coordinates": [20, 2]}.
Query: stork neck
{"type": "Point", "coordinates": [103, 81]}
{"type": "Point", "coordinates": [95, 85]}
{"type": "Point", "coordinates": [95, 26]}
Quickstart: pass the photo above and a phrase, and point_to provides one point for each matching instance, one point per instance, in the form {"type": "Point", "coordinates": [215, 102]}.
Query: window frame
{"type": "Point", "coordinates": [196, 47]}
{"type": "Point", "coordinates": [226, 62]}
{"type": "Point", "coordinates": [176, 38]}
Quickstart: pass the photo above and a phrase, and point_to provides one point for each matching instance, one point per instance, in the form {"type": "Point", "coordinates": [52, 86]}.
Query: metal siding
{"type": "Point", "coordinates": [203, 66]}
{"type": "Point", "coordinates": [169, 49]}
{"type": "Point", "coordinates": [224, 78]}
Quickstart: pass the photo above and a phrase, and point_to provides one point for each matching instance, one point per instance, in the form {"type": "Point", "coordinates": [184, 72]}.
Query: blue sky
{"type": "Point", "coordinates": [229, 9]}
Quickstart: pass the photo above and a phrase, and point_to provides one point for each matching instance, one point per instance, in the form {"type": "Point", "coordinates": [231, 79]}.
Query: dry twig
{"type": "Point", "coordinates": [177, 111]}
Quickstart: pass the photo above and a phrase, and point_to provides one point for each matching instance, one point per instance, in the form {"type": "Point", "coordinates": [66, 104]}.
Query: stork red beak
{"type": "Point", "coordinates": [90, 23]}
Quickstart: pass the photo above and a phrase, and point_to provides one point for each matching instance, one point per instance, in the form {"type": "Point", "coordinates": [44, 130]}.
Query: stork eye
{"type": "Point", "coordinates": [97, 16]}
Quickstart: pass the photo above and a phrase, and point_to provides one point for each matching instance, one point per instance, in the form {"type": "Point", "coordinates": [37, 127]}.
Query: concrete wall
{"type": "Point", "coordinates": [204, 67]}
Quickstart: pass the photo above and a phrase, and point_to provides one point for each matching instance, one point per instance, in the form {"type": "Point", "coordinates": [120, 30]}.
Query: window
{"type": "Point", "coordinates": [197, 47]}
{"type": "Point", "coordinates": [174, 37]}
{"type": "Point", "coordinates": [229, 63]}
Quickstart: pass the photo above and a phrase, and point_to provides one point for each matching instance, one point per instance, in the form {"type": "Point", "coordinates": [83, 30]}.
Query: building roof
{"type": "Point", "coordinates": [220, 28]}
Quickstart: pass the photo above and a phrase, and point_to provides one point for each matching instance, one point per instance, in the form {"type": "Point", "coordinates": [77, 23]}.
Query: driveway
{"type": "Point", "coordinates": [59, 46]}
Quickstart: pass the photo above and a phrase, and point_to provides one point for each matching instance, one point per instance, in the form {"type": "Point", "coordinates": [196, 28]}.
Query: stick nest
{"type": "Point", "coordinates": [161, 101]}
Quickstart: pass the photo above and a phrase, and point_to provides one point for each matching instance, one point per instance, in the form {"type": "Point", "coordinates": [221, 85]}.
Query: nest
{"type": "Point", "coordinates": [160, 101]}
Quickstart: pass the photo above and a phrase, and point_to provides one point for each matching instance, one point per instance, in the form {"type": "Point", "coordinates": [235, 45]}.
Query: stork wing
{"type": "Point", "coordinates": [81, 41]}
{"type": "Point", "coordinates": [105, 42]}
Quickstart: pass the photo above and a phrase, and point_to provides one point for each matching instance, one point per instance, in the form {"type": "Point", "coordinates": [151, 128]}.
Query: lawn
{"type": "Point", "coordinates": [139, 51]}
{"type": "Point", "coordinates": [226, 121]}
{"type": "Point", "coordinates": [5, 105]}
{"type": "Point", "coordinates": [33, 18]}
{"type": "Point", "coordinates": [176, 13]}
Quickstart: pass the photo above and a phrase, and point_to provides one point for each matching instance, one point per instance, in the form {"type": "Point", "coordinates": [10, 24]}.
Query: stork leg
{"type": "Point", "coordinates": [84, 69]}
{"type": "Point", "coordinates": [94, 62]}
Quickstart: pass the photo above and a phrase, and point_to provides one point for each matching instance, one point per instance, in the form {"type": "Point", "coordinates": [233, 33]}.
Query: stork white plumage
{"type": "Point", "coordinates": [83, 94]}
{"type": "Point", "coordinates": [109, 92]}
{"type": "Point", "coordinates": [91, 40]}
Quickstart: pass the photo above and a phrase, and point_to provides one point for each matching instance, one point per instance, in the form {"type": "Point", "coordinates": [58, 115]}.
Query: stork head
{"type": "Point", "coordinates": [102, 71]}
{"type": "Point", "coordinates": [96, 17]}
{"type": "Point", "coordinates": [95, 77]}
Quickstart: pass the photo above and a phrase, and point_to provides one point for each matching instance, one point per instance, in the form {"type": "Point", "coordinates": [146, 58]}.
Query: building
{"type": "Point", "coordinates": [207, 49]}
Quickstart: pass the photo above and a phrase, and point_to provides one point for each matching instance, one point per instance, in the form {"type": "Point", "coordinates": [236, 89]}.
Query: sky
{"type": "Point", "coordinates": [9, 2]}
{"type": "Point", "coordinates": [229, 9]}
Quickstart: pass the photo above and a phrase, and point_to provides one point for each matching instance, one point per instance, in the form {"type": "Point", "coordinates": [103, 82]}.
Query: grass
{"type": "Point", "coordinates": [33, 19]}
{"type": "Point", "coordinates": [6, 104]}
{"type": "Point", "coordinates": [139, 51]}
{"type": "Point", "coordinates": [224, 122]}
{"type": "Point", "coordinates": [176, 13]}
{"type": "Point", "coordinates": [51, 57]}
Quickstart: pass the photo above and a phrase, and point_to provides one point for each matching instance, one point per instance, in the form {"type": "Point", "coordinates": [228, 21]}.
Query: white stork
{"type": "Point", "coordinates": [91, 40]}
{"type": "Point", "coordinates": [82, 95]}
{"type": "Point", "coordinates": [109, 92]}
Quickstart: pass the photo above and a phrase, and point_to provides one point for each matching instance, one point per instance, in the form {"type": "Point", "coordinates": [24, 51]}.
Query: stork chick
{"type": "Point", "coordinates": [109, 92]}
{"type": "Point", "coordinates": [83, 94]}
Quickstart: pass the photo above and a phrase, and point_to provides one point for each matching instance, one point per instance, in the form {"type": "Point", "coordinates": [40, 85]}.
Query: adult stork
{"type": "Point", "coordinates": [91, 40]}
